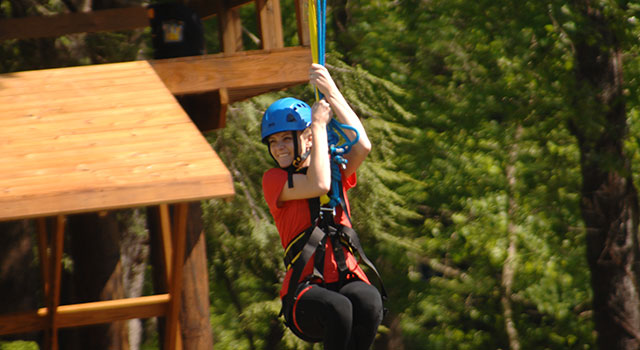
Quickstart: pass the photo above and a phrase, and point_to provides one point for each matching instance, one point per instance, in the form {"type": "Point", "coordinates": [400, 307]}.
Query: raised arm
{"type": "Point", "coordinates": [320, 77]}
{"type": "Point", "coordinates": [317, 180]}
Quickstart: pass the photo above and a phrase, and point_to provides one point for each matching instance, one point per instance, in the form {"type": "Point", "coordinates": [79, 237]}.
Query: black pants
{"type": "Point", "coordinates": [346, 318]}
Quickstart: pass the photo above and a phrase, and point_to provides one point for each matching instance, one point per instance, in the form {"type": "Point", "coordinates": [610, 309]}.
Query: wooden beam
{"type": "Point", "coordinates": [86, 314]}
{"type": "Point", "coordinates": [24, 322]}
{"type": "Point", "coordinates": [115, 19]}
{"type": "Point", "coordinates": [69, 23]}
{"type": "Point", "coordinates": [270, 23]}
{"type": "Point", "coordinates": [245, 93]}
{"type": "Point", "coordinates": [244, 74]}
{"type": "Point", "coordinates": [208, 8]}
{"type": "Point", "coordinates": [112, 310]}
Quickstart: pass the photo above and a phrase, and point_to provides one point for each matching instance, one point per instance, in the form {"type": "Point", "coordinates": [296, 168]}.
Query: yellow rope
{"type": "Point", "coordinates": [313, 35]}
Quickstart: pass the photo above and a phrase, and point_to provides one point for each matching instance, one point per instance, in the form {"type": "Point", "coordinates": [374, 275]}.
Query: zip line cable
{"type": "Point", "coordinates": [317, 33]}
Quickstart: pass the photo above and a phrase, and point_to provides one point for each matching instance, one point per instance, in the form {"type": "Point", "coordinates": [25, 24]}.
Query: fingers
{"type": "Point", "coordinates": [321, 106]}
{"type": "Point", "coordinates": [318, 71]}
{"type": "Point", "coordinates": [321, 111]}
{"type": "Point", "coordinates": [317, 67]}
{"type": "Point", "coordinates": [320, 77]}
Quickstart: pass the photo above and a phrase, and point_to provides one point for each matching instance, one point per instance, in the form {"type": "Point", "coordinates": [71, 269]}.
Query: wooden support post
{"type": "Point", "coordinates": [173, 339]}
{"type": "Point", "coordinates": [302, 20]}
{"type": "Point", "coordinates": [270, 23]}
{"type": "Point", "coordinates": [207, 110]}
{"type": "Point", "coordinates": [194, 311]}
{"type": "Point", "coordinates": [224, 103]}
{"type": "Point", "coordinates": [166, 240]}
{"type": "Point", "coordinates": [230, 28]}
{"type": "Point", "coordinates": [55, 272]}
{"type": "Point", "coordinates": [43, 246]}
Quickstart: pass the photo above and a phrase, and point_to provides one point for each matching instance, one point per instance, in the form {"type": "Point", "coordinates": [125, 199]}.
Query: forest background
{"type": "Point", "coordinates": [483, 117]}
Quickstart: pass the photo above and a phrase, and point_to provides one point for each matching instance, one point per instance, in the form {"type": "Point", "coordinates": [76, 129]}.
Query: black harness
{"type": "Point", "coordinates": [313, 241]}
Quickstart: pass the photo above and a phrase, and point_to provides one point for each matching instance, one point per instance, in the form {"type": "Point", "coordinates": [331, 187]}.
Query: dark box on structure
{"type": "Point", "coordinates": [176, 31]}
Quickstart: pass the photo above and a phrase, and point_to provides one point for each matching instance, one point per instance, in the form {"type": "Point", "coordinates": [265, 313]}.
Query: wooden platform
{"type": "Point", "coordinates": [96, 138]}
{"type": "Point", "coordinates": [99, 137]}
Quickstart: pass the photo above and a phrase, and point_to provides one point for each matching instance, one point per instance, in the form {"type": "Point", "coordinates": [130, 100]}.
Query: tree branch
{"type": "Point", "coordinates": [509, 267]}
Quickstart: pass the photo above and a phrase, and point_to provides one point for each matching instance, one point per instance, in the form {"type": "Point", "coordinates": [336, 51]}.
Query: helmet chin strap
{"type": "Point", "coordinates": [296, 164]}
{"type": "Point", "coordinates": [300, 159]}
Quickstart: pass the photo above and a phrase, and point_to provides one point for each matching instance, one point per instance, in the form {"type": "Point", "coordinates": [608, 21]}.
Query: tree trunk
{"type": "Point", "coordinates": [393, 339]}
{"type": "Point", "coordinates": [609, 200]}
{"type": "Point", "coordinates": [274, 336]}
{"type": "Point", "coordinates": [194, 313]}
{"type": "Point", "coordinates": [509, 267]}
{"type": "Point", "coordinates": [97, 275]}
{"type": "Point", "coordinates": [134, 250]}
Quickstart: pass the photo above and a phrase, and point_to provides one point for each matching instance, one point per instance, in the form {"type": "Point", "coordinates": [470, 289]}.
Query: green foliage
{"type": "Point", "coordinates": [432, 202]}
{"type": "Point", "coordinates": [473, 80]}
{"type": "Point", "coordinates": [452, 93]}
{"type": "Point", "coordinates": [19, 345]}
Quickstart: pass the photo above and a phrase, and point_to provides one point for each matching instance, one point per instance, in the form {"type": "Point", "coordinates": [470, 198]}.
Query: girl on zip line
{"type": "Point", "coordinates": [326, 296]}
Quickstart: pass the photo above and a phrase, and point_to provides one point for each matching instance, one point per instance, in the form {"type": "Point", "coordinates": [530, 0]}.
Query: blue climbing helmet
{"type": "Point", "coordinates": [286, 114]}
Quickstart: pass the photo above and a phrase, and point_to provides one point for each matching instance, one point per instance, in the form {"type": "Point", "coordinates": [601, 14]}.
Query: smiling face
{"type": "Point", "coordinates": [282, 148]}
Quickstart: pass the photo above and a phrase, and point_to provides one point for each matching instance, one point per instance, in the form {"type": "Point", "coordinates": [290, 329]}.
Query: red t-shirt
{"type": "Point", "coordinates": [294, 217]}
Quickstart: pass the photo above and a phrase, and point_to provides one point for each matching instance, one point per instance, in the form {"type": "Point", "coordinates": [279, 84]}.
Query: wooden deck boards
{"type": "Point", "coordinates": [99, 137]}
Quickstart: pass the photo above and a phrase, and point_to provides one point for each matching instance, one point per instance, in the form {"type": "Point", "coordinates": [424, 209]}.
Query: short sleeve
{"type": "Point", "coordinates": [273, 182]}
{"type": "Point", "coordinates": [350, 182]}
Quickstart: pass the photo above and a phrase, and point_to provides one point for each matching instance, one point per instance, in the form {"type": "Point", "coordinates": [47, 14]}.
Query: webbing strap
{"type": "Point", "coordinates": [352, 238]}
{"type": "Point", "coordinates": [338, 253]}
{"type": "Point", "coordinates": [318, 263]}
{"type": "Point", "coordinates": [294, 249]}
{"type": "Point", "coordinates": [310, 246]}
